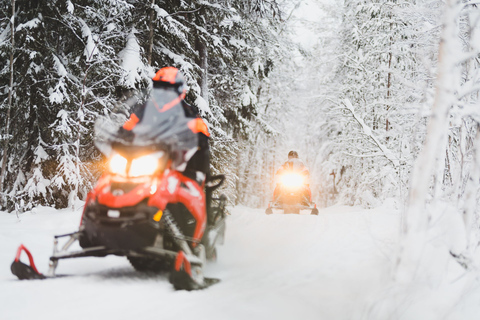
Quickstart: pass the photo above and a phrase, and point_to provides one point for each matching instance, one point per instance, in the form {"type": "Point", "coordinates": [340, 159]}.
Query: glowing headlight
{"type": "Point", "coordinates": [118, 165]}
{"type": "Point", "coordinates": [292, 180]}
{"type": "Point", "coordinates": [144, 166]}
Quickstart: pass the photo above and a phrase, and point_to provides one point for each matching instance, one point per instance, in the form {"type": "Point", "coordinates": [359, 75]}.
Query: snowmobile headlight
{"type": "Point", "coordinates": [292, 180]}
{"type": "Point", "coordinates": [118, 165]}
{"type": "Point", "coordinates": [144, 166]}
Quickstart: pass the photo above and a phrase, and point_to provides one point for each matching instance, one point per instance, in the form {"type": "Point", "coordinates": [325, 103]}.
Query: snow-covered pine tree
{"type": "Point", "coordinates": [239, 80]}
{"type": "Point", "coordinates": [79, 57]}
{"type": "Point", "coordinates": [222, 48]}
{"type": "Point", "coordinates": [102, 73]}
{"type": "Point", "coordinates": [24, 179]}
{"type": "Point", "coordinates": [67, 74]}
{"type": "Point", "coordinates": [3, 42]}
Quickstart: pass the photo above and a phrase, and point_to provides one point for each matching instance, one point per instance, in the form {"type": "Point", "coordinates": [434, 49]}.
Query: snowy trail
{"type": "Point", "coordinates": [272, 267]}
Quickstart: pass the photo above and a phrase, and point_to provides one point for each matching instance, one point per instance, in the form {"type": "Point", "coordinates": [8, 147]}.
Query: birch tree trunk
{"type": "Point", "coordinates": [10, 96]}
{"type": "Point", "coordinates": [434, 145]}
{"type": "Point", "coordinates": [469, 206]}
{"type": "Point", "coordinates": [433, 151]}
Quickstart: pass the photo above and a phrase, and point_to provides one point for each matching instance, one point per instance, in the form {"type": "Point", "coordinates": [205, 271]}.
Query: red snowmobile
{"type": "Point", "coordinates": [142, 207]}
{"type": "Point", "coordinates": [292, 194]}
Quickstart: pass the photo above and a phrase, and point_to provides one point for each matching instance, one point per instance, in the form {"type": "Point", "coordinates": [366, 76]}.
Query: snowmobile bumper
{"type": "Point", "coordinates": [292, 201]}
{"type": "Point", "coordinates": [124, 229]}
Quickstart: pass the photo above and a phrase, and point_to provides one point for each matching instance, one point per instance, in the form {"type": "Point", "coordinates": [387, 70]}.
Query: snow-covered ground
{"type": "Point", "coordinates": [271, 267]}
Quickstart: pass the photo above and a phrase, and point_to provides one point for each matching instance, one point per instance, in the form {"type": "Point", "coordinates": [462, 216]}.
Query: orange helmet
{"type": "Point", "coordinates": [169, 76]}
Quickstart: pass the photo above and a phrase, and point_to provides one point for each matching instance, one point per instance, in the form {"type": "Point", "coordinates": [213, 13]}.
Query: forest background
{"type": "Point", "coordinates": [366, 96]}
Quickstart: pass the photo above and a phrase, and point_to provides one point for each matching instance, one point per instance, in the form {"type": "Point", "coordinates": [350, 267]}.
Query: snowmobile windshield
{"type": "Point", "coordinates": [160, 124]}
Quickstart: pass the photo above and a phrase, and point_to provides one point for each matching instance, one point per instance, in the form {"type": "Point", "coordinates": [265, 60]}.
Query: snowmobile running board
{"type": "Point", "coordinates": [30, 272]}
{"type": "Point", "coordinates": [181, 277]}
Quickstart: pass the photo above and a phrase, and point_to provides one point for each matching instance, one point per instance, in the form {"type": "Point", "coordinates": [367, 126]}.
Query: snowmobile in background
{"type": "Point", "coordinates": [142, 207]}
{"type": "Point", "coordinates": [292, 194]}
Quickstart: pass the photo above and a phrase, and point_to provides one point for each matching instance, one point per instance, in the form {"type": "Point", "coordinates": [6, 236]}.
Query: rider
{"type": "Point", "coordinates": [169, 84]}
{"type": "Point", "coordinates": [170, 78]}
{"type": "Point", "coordinates": [294, 164]}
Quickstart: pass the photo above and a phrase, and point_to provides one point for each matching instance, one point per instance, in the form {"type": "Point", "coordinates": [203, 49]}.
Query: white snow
{"type": "Point", "coordinates": [62, 72]}
{"type": "Point", "coordinates": [59, 93]}
{"type": "Point", "coordinates": [336, 265]}
{"type": "Point", "coordinates": [40, 154]}
{"type": "Point", "coordinates": [70, 7]}
{"type": "Point", "coordinates": [111, 26]}
{"type": "Point", "coordinates": [63, 126]}
{"type": "Point", "coordinates": [203, 106]}
{"type": "Point", "coordinates": [37, 185]}
{"type": "Point", "coordinates": [230, 21]}
{"type": "Point", "coordinates": [4, 35]}
{"type": "Point", "coordinates": [131, 61]}
{"type": "Point", "coordinates": [161, 13]}
{"type": "Point", "coordinates": [29, 25]}
{"type": "Point", "coordinates": [239, 44]}
{"type": "Point", "coordinates": [271, 267]}
{"type": "Point", "coordinates": [91, 48]}
{"type": "Point", "coordinates": [248, 97]}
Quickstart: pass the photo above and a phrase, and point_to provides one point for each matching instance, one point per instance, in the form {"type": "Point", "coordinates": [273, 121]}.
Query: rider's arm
{"type": "Point", "coordinates": [135, 117]}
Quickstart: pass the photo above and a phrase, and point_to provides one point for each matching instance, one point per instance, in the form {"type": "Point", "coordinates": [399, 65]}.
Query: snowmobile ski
{"type": "Point", "coordinates": [22, 270]}
{"type": "Point", "coordinates": [296, 209]}
{"type": "Point", "coordinates": [188, 276]}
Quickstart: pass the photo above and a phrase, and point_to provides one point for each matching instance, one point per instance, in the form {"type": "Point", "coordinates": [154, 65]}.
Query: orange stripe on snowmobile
{"type": "Point", "coordinates": [197, 125]}
{"type": "Point", "coordinates": [131, 122]}
{"type": "Point", "coordinates": [182, 261]}
{"type": "Point", "coordinates": [167, 74]}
